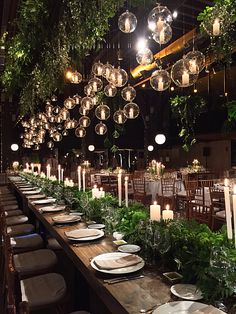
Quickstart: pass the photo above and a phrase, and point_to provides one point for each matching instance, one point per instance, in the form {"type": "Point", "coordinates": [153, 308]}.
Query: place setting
{"type": "Point", "coordinates": [81, 235]}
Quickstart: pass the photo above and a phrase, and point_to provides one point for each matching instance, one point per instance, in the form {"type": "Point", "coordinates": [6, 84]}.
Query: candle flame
{"type": "Point", "coordinates": [167, 207]}
{"type": "Point", "coordinates": [155, 203]}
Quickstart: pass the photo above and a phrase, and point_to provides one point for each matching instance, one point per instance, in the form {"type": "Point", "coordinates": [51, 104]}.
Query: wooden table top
{"type": "Point", "coordinates": [119, 298]}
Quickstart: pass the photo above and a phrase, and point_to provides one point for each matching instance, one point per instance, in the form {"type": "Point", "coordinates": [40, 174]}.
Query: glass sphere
{"type": "Point", "coordinates": [76, 78]}
{"type": "Point", "coordinates": [83, 111]}
{"type": "Point", "coordinates": [157, 17]}
{"type": "Point", "coordinates": [128, 93]}
{"type": "Point", "coordinates": [65, 114]}
{"type": "Point", "coordinates": [97, 68]}
{"type": "Point", "coordinates": [49, 108]}
{"type": "Point", "coordinates": [91, 148]}
{"type": "Point", "coordinates": [107, 68]}
{"type": "Point", "coordinates": [160, 139]}
{"type": "Point", "coordinates": [54, 98]}
{"type": "Point", "coordinates": [101, 128]}
{"type": "Point", "coordinates": [119, 117]}
{"type": "Point", "coordinates": [57, 109]}
{"type": "Point", "coordinates": [80, 132]}
{"type": "Point", "coordinates": [180, 74]}
{"type": "Point", "coordinates": [160, 80]}
{"type": "Point", "coordinates": [65, 132]}
{"type": "Point", "coordinates": [88, 90]}
{"type": "Point", "coordinates": [87, 103]}
{"type": "Point", "coordinates": [69, 103]}
{"type": "Point", "coordinates": [127, 22]}
{"type": "Point", "coordinates": [96, 84]}
{"type": "Point", "coordinates": [131, 110]}
{"type": "Point", "coordinates": [58, 119]}
{"type": "Point", "coordinates": [164, 36]}
{"type": "Point", "coordinates": [94, 100]}
{"type": "Point", "coordinates": [77, 99]}
{"type": "Point", "coordinates": [144, 56]}
{"type": "Point", "coordinates": [120, 77]}
{"type": "Point", "coordinates": [71, 124]}
{"type": "Point", "coordinates": [60, 127]}
{"type": "Point", "coordinates": [110, 90]}
{"type": "Point", "coordinates": [102, 112]}
{"type": "Point", "coordinates": [196, 61]}
{"type": "Point", "coordinates": [46, 126]}
{"type": "Point", "coordinates": [84, 121]}
{"type": "Point", "coordinates": [57, 137]}
{"type": "Point", "coordinates": [52, 119]}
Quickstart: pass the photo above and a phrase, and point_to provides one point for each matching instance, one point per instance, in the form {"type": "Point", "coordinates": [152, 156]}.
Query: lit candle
{"type": "Point", "coordinates": [103, 116]}
{"type": "Point", "coordinates": [84, 123]}
{"type": "Point", "coordinates": [62, 173]}
{"type": "Point", "coordinates": [119, 80]}
{"type": "Point", "coordinates": [120, 119]}
{"type": "Point", "coordinates": [128, 95]}
{"type": "Point", "coordinates": [126, 192]}
{"type": "Point", "coordinates": [228, 210]}
{"type": "Point", "coordinates": [162, 37]}
{"type": "Point", "coordinates": [160, 24]}
{"type": "Point", "coordinates": [83, 175]}
{"type": "Point", "coordinates": [95, 192]}
{"type": "Point", "coordinates": [160, 84]}
{"type": "Point", "coordinates": [155, 212]}
{"type": "Point", "coordinates": [59, 173]}
{"type": "Point", "coordinates": [119, 187]}
{"type": "Point", "coordinates": [234, 212]}
{"type": "Point", "coordinates": [48, 171]}
{"type": "Point", "coordinates": [79, 177]}
{"type": "Point", "coordinates": [101, 130]}
{"type": "Point", "coordinates": [193, 66]}
{"type": "Point", "coordinates": [131, 113]}
{"type": "Point", "coordinates": [95, 87]}
{"type": "Point", "coordinates": [216, 27]}
{"type": "Point", "coordinates": [110, 92]}
{"type": "Point", "coordinates": [185, 78]}
{"type": "Point", "coordinates": [39, 168]}
{"type": "Point", "coordinates": [167, 214]}
{"type": "Point", "coordinates": [127, 25]}
{"type": "Point", "coordinates": [102, 193]}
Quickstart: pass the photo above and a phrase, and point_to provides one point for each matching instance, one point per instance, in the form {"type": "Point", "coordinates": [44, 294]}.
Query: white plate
{"type": "Point", "coordinates": [64, 219]}
{"type": "Point", "coordinates": [54, 208]}
{"type": "Point", "coordinates": [76, 213]}
{"type": "Point", "coordinates": [36, 196]}
{"type": "Point", "coordinates": [101, 234]}
{"type": "Point", "coordinates": [46, 201]}
{"type": "Point", "coordinates": [185, 291]}
{"type": "Point", "coordinates": [129, 248]}
{"type": "Point", "coordinates": [181, 307]}
{"type": "Point", "coordinates": [32, 192]}
{"type": "Point", "coordinates": [27, 189]}
{"type": "Point", "coordinates": [96, 226]}
{"type": "Point", "coordinates": [118, 271]}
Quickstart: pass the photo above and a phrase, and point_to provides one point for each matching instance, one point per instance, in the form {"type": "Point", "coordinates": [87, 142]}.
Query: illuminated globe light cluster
{"type": "Point", "coordinates": [73, 77]}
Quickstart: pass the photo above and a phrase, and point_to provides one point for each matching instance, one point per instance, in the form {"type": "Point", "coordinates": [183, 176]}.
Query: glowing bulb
{"type": "Point", "coordinates": [216, 27]}
{"type": "Point", "coordinates": [185, 78]}
{"type": "Point", "coordinates": [175, 14]}
{"type": "Point", "coordinates": [69, 74]}
{"type": "Point", "coordinates": [141, 44]}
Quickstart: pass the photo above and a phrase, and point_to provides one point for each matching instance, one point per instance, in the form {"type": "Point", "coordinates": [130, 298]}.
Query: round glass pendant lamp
{"type": "Point", "coordinates": [101, 128]}
{"type": "Point", "coordinates": [127, 22]}
{"type": "Point", "coordinates": [160, 139]}
{"type": "Point", "coordinates": [107, 68]}
{"type": "Point", "coordinates": [120, 77]}
{"type": "Point", "coordinates": [54, 98]}
{"type": "Point", "coordinates": [57, 137]}
{"type": "Point", "coordinates": [150, 148]}
{"type": "Point", "coordinates": [83, 111]}
{"type": "Point", "coordinates": [57, 109]}
{"type": "Point", "coordinates": [60, 127]}
{"type": "Point", "coordinates": [65, 114]}
{"type": "Point", "coordinates": [71, 124]}
{"type": "Point", "coordinates": [80, 132]}
{"type": "Point", "coordinates": [110, 90]}
{"type": "Point", "coordinates": [102, 112]}
{"type": "Point", "coordinates": [131, 110]}
{"type": "Point", "coordinates": [157, 17]}
{"type": "Point", "coordinates": [160, 80]}
{"type": "Point", "coordinates": [84, 121]}
{"type": "Point", "coordinates": [69, 103]}
{"type": "Point", "coordinates": [96, 84]}
{"type": "Point", "coordinates": [144, 56]}
{"type": "Point", "coordinates": [196, 61]}
{"type": "Point", "coordinates": [76, 78]}
{"type": "Point", "coordinates": [77, 99]}
{"type": "Point", "coordinates": [49, 108]}
{"type": "Point", "coordinates": [52, 119]}
{"type": "Point", "coordinates": [94, 100]}
{"type": "Point", "coordinates": [164, 36]}
{"type": "Point", "coordinates": [97, 68]}
{"type": "Point", "coordinates": [128, 93]}
{"type": "Point", "coordinates": [119, 117]}
{"type": "Point", "coordinates": [180, 74]}
{"type": "Point", "coordinates": [14, 147]}
{"type": "Point", "coordinates": [65, 132]}
{"type": "Point", "coordinates": [87, 103]}
{"type": "Point", "coordinates": [88, 90]}
{"type": "Point", "coordinates": [58, 119]}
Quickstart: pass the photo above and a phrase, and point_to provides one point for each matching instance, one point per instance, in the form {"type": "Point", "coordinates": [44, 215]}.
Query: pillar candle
{"type": "Point", "coordinates": [126, 192]}
{"type": "Point", "coordinates": [234, 212]}
{"type": "Point", "coordinates": [59, 173]}
{"type": "Point", "coordinates": [95, 192]}
{"type": "Point", "coordinates": [167, 214]}
{"type": "Point", "coordinates": [228, 211]}
{"type": "Point", "coordinates": [83, 175]}
{"type": "Point", "coordinates": [155, 212]}
{"type": "Point", "coordinates": [62, 173]}
{"type": "Point", "coordinates": [102, 193]}
{"type": "Point", "coordinates": [39, 168]}
{"type": "Point", "coordinates": [79, 178]}
{"type": "Point", "coordinates": [216, 27]}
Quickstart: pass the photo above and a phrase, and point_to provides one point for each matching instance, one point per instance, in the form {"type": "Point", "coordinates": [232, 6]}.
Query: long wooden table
{"type": "Point", "coordinates": [125, 297]}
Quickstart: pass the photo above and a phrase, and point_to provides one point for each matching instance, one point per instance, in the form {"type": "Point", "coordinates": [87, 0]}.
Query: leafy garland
{"type": "Point", "coordinates": [186, 109]}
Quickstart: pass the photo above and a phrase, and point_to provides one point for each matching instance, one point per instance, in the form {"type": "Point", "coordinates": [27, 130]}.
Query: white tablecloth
{"type": "Point", "coordinates": [154, 187]}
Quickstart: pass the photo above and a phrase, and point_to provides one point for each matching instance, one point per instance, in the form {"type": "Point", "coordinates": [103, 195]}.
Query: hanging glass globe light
{"type": "Point", "coordinates": [83, 111]}
{"type": "Point", "coordinates": [84, 121]}
{"type": "Point", "coordinates": [41, 140]}
{"type": "Point", "coordinates": [120, 77]}
{"type": "Point", "coordinates": [157, 17]}
{"type": "Point", "coordinates": [58, 119]}
{"type": "Point", "coordinates": [144, 56]}
{"type": "Point", "coordinates": [71, 124]}
{"type": "Point", "coordinates": [107, 68]}
{"type": "Point", "coordinates": [57, 109]}
{"type": "Point", "coordinates": [196, 61]}
{"type": "Point", "coordinates": [76, 78]}
{"type": "Point", "coordinates": [160, 80]}
{"type": "Point", "coordinates": [60, 127]}
{"type": "Point", "coordinates": [49, 108]}
{"type": "Point", "coordinates": [180, 74]}
{"type": "Point", "coordinates": [97, 68]}
{"type": "Point", "coordinates": [44, 118]}
{"type": "Point", "coordinates": [69, 103]}
{"type": "Point", "coordinates": [65, 132]}
{"type": "Point", "coordinates": [128, 93]}
{"type": "Point", "coordinates": [94, 100]}
{"type": "Point", "coordinates": [54, 98]}
{"type": "Point", "coordinates": [110, 90]}
{"type": "Point", "coordinates": [48, 101]}
{"type": "Point", "coordinates": [102, 112]}
{"type": "Point", "coordinates": [88, 90]}
{"type": "Point", "coordinates": [119, 117]}
{"type": "Point", "coordinates": [112, 76]}
{"type": "Point", "coordinates": [87, 103]}
{"type": "Point", "coordinates": [101, 128]}
{"type": "Point", "coordinates": [57, 137]}
{"type": "Point", "coordinates": [80, 132]}
{"type": "Point", "coordinates": [52, 119]}
{"type": "Point", "coordinates": [47, 126]}
{"type": "Point", "coordinates": [36, 147]}
{"type": "Point", "coordinates": [127, 22]}
{"type": "Point", "coordinates": [65, 114]}
{"type": "Point", "coordinates": [131, 110]}
{"type": "Point", "coordinates": [164, 36]}
{"type": "Point", "coordinates": [77, 99]}
{"type": "Point", "coordinates": [96, 84]}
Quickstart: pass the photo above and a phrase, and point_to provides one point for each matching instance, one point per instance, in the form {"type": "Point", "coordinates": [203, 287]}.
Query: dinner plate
{"type": "Point", "coordinates": [76, 213]}
{"type": "Point", "coordinates": [32, 192]}
{"type": "Point", "coordinates": [118, 271]}
{"type": "Point", "coordinates": [36, 196]}
{"type": "Point", "coordinates": [65, 219]}
{"type": "Point", "coordinates": [186, 291]}
{"type": "Point", "coordinates": [53, 208]}
{"type": "Point", "coordinates": [96, 226]}
{"type": "Point", "coordinates": [45, 201]}
{"type": "Point", "coordinates": [100, 234]}
{"type": "Point", "coordinates": [182, 307]}
{"type": "Point", "coordinates": [129, 248]}
{"type": "Point", "coordinates": [27, 189]}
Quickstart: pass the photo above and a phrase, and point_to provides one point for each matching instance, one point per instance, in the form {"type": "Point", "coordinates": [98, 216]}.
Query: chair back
{"type": "Point", "coordinates": [168, 186]}
{"type": "Point", "coordinates": [217, 199]}
{"type": "Point", "coordinates": [190, 187]}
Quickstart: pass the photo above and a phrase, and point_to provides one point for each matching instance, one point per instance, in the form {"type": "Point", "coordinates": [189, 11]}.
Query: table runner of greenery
{"type": "Point", "coordinates": [202, 256]}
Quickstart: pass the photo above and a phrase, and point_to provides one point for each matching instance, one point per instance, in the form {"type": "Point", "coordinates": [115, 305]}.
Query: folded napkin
{"type": "Point", "coordinates": [209, 309]}
{"type": "Point", "coordinates": [82, 233]}
{"type": "Point", "coordinates": [64, 218]}
{"type": "Point", "coordinates": [120, 262]}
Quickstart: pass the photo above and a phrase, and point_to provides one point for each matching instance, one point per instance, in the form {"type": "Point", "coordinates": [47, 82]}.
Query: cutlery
{"type": "Point", "coordinates": [120, 279]}
{"type": "Point", "coordinates": [150, 309]}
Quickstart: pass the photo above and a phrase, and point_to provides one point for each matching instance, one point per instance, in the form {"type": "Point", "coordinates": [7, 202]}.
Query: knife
{"type": "Point", "coordinates": [120, 279]}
